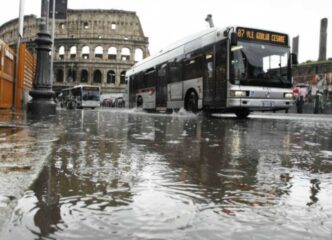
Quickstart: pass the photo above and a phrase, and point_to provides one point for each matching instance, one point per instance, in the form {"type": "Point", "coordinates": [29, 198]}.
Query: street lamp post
{"type": "Point", "coordinates": [42, 102]}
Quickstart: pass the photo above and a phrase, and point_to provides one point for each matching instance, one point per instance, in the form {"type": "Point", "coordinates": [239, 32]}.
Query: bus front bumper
{"type": "Point", "coordinates": [260, 104]}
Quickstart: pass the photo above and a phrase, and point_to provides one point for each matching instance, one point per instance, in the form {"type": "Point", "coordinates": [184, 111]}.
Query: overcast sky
{"type": "Point", "coordinates": [165, 21]}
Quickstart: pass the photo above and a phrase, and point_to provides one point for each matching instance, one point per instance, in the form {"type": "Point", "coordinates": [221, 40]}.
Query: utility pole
{"type": "Point", "coordinates": [53, 32]}
{"type": "Point", "coordinates": [42, 103]}
{"type": "Point", "coordinates": [19, 37]}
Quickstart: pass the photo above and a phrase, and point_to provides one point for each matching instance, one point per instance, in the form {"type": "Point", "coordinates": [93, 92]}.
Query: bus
{"type": "Point", "coordinates": [235, 70]}
{"type": "Point", "coordinates": [80, 96]}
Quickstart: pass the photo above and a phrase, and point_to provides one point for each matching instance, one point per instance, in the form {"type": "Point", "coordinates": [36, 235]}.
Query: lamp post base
{"type": "Point", "coordinates": [41, 107]}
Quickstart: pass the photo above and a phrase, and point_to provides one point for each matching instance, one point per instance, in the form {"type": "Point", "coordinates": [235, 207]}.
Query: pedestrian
{"type": "Point", "coordinates": [319, 102]}
{"type": "Point", "coordinates": [299, 100]}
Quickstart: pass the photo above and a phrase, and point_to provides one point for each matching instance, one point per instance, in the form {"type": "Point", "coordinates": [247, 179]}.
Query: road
{"type": "Point", "coordinates": [126, 174]}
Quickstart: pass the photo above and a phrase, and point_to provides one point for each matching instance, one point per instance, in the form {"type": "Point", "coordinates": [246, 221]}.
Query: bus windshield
{"type": "Point", "coordinates": [90, 93]}
{"type": "Point", "coordinates": [259, 64]}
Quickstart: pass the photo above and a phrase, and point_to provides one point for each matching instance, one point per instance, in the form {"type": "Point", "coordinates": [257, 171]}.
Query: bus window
{"type": "Point", "coordinates": [193, 68]}
{"type": "Point", "coordinates": [209, 65]}
{"type": "Point", "coordinates": [238, 66]}
{"type": "Point", "coordinates": [77, 93]}
{"type": "Point", "coordinates": [149, 78]}
{"type": "Point", "coordinates": [174, 72]}
{"type": "Point", "coordinates": [274, 62]}
{"type": "Point", "coordinates": [139, 81]}
{"type": "Point", "coordinates": [208, 86]}
{"type": "Point", "coordinates": [221, 61]}
{"type": "Point", "coordinates": [161, 86]}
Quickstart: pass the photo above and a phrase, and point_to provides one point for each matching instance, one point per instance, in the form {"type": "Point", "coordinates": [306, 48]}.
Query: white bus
{"type": "Point", "coordinates": [80, 96]}
{"type": "Point", "coordinates": [235, 69]}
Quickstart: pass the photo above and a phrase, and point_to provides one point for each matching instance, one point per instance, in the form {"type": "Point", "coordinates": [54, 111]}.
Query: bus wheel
{"type": "Point", "coordinates": [242, 113]}
{"type": "Point", "coordinates": [139, 102]}
{"type": "Point", "coordinates": [191, 104]}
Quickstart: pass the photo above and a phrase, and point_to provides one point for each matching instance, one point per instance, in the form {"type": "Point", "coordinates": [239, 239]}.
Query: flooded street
{"type": "Point", "coordinates": [124, 174]}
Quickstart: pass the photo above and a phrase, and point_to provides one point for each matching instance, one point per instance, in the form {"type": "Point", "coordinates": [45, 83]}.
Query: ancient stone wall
{"type": "Point", "coordinates": [91, 46]}
{"type": "Point", "coordinates": [306, 73]}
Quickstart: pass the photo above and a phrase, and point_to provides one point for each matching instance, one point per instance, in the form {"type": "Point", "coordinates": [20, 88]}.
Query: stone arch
{"type": "Point", "coordinates": [84, 76]}
{"type": "Point", "coordinates": [62, 26]}
{"type": "Point", "coordinates": [86, 52]}
{"type": "Point", "coordinates": [123, 77]}
{"type": "Point", "coordinates": [112, 52]}
{"type": "Point", "coordinates": [71, 75]}
{"type": "Point", "coordinates": [62, 52]}
{"type": "Point", "coordinates": [125, 54]}
{"type": "Point", "coordinates": [86, 25]}
{"type": "Point", "coordinates": [97, 76]}
{"type": "Point", "coordinates": [99, 52]}
{"type": "Point", "coordinates": [138, 55]}
{"type": "Point", "coordinates": [73, 52]}
{"type": "Point", "coordinates": [111, 77]}
{"type": "Point", "coordinates": [59, 75]}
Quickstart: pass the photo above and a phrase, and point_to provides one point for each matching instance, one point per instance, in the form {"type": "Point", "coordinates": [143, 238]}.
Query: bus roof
{"type": "Point", "coordinates": [183, 46]}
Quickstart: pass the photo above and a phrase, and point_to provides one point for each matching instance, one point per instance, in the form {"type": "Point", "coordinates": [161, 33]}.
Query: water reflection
{"type": "Point", "coordinates": [47, 215]}
{"type": "Point", "coordinates": [140, 176]}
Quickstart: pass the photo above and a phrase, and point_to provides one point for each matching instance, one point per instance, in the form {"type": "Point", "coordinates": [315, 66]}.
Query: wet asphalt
{"type": "Point", "coordinates": [126, 174]}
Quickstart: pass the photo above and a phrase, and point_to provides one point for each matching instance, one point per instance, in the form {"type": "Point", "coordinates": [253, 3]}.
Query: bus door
{"type": "Point", "coordinates": [161, 87]}
{"type": "Point", "coordinates": [132, 91]}
{"type": "Point", "coordinates": [209, 79]}
{"type": "Point", "coordinates": [220, 75]}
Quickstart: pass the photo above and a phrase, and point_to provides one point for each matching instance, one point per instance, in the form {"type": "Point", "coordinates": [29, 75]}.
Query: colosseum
{"type": "Point", "coordinates": [91, 46]}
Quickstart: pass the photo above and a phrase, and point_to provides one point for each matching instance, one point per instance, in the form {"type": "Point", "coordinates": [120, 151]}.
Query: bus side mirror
{"type": "Point", "coordinates": [294, 59]}
{"type": "Point", "coordinates": [233, 39]}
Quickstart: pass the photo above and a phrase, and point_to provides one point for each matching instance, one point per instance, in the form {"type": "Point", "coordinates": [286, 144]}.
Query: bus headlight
{"type": "Point", "coordinates": [288, 95]}
{"type": "Point", "coordinates": [238, 93]}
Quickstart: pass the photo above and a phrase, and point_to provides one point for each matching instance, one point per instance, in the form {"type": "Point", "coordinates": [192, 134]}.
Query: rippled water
{"type": "Point", "coordinates": [129, 175]}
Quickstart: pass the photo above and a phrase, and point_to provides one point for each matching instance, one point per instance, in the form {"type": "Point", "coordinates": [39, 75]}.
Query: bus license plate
{"type": "Point", "coordinates": [268, 104]}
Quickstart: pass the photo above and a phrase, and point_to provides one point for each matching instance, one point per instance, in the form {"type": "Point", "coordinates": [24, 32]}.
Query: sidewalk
{"type": "Point", "coordinates": [308, 108]}
{"type": "Point", "coordinates": [24, 147]}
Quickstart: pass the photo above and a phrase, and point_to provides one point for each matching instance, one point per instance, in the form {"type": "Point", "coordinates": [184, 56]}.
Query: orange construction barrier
{"type": "Point", "coordinates": [26, 72]}
{"type": "Point", "coordinates": [7, 73]}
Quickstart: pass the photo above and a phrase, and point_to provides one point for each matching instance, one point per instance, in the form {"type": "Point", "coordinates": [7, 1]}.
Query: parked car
{"type": "Point", "coordinates": [107, 102]}
{"type": "Point", "coordinates": [119, 102]}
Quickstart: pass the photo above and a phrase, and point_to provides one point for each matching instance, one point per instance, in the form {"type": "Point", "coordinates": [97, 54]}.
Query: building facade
{"type": "Point", "coordinates": [91, 46]}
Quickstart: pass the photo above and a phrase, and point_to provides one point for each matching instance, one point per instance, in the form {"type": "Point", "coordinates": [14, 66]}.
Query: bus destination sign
{"type": "Point", "coordinates": [262, 36]}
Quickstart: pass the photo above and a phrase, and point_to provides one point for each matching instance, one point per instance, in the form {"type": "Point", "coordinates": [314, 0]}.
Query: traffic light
{"type": "Point", "coordinates": [60, 9]}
